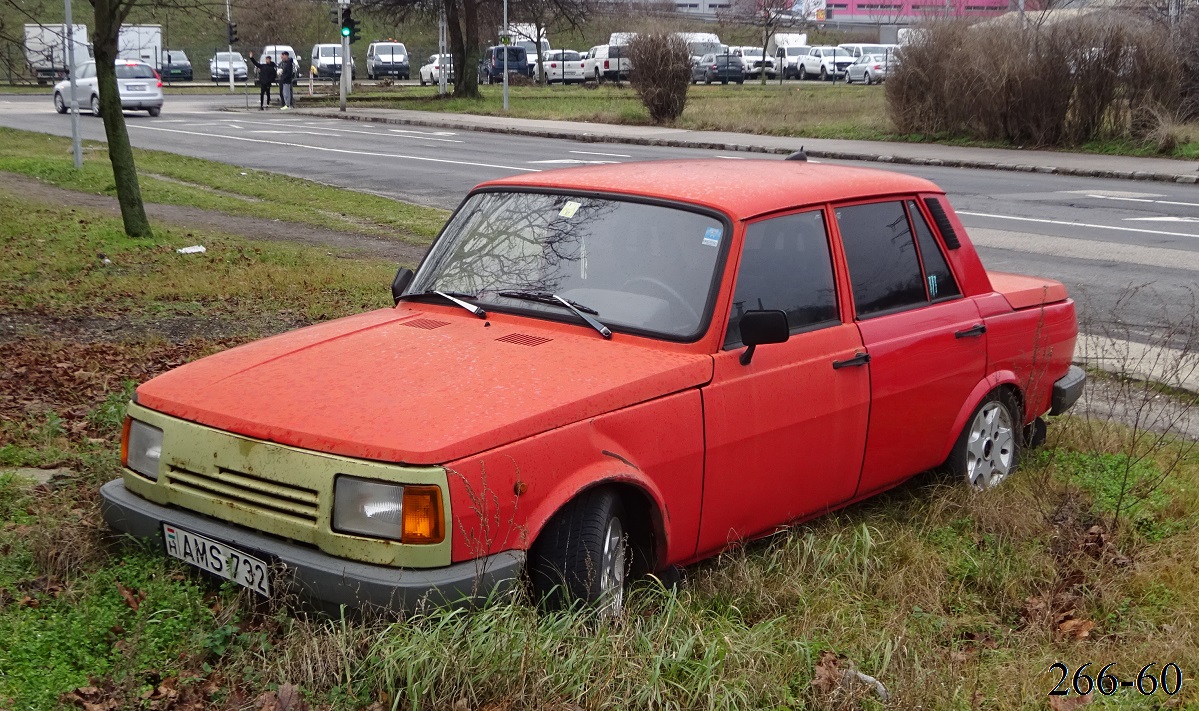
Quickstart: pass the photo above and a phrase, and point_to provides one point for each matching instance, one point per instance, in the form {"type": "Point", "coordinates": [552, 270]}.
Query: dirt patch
{"type": "Point", "coordinates": [350, 243]}
{"type": "Point", "coordinates": [21, 325]}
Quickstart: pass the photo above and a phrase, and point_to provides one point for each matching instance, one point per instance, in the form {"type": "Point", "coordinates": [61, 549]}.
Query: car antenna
{"type": "Point", "coordinates": [798, 155]}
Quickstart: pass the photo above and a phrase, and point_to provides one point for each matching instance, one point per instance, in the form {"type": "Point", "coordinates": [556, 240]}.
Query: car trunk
{"type": "Point", "coordinates": [1025, 292]}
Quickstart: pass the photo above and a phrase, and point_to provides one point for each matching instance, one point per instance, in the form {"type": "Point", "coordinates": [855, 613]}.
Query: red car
{"type": "Point", "coordinates": [601, 372]}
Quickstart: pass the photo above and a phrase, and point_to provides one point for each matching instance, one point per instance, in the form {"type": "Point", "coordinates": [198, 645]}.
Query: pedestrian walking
{"type": "Point", "coordinates": [287, 75]}
{"type": "Point", "coordinates": [268, 72]}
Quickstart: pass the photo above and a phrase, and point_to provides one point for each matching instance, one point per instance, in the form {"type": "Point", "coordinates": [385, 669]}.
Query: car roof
{"type": "Point", "coordinates": [693, 181]}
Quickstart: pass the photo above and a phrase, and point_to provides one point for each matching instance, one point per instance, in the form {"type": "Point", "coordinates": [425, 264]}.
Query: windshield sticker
{"type": "Point", "coordinates": [712, 237]}
{"type": "Point", "coordinates": [569, 209]}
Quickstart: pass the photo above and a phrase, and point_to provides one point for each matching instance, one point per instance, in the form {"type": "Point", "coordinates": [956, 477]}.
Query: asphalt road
{"type": "Point", "coordinates": [1128, 250]}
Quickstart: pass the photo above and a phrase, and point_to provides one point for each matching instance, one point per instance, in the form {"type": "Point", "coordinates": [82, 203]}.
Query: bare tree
{"type": "Point", "coordinates": [462, 20]}
{"type": "Point", "coordinates": [767, 17]}
{"type": "Point", "coordinates": [547, 15]}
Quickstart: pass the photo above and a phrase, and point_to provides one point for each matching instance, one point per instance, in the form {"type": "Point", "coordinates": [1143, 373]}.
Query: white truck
{"type": "Point", "coordinates": [522, 35]}
{"type": "Point", "coordinates": [142, 42]}
{"type": "Point", "coordinates": [701, 43]}
{"type": "Point", "coordinates": [46, 50]}
{"type": "Point", "coordinates": [786, 48]}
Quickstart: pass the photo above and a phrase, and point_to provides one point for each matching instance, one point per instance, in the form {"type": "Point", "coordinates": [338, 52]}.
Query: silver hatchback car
{"type": "Point", "coordinates": [140, 87]}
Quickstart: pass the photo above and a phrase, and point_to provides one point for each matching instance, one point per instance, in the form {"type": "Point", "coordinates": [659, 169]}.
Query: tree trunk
{"type": "Point", "coordinates": [464, 49]}
{"type": "Point", "coordinates": [765, 43]}
{"type": "Point", "coordinates": [108, 16]}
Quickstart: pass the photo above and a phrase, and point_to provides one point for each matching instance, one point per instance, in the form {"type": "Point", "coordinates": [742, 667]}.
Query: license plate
{"type": "Point", "coordinates": [135, 87]}
{"type": "Point", "coordinates": [217, 558]}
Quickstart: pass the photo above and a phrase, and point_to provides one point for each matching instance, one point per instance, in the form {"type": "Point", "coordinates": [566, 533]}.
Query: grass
{"type": "Point", "coordinates": [194, 182]}
{"type": "Point", "coordinates": [802, 109]}
{"type": "Point", "coordinates": [952, 600]}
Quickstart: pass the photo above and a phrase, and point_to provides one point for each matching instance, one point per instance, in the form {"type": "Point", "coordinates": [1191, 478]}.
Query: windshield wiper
{"type": "Point", "coordinates": [453, 297]}
{"type": "Point", "coordinates": [544, 297]}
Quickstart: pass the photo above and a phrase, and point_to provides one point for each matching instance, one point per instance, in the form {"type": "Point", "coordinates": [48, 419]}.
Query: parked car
{"type": "Point", "coordinates": [275, 52]}
{"type": "Point", "coordinates": [176, 66]}
{"type": "Point", "coordinates": [531, 51]}
{"type": "Point", "coordinates": [491, 64]}
{"type": "Point", "coordinates": [435, 66]}
{"type": "Point", "coordinates": [607, 62]}
{"type": "Point", "coordinates": [565, 66]}
{"type": "Point", "coordinates": [327, 63]}
{"type": "Point", "coordinates": [138, 83]}
{"type": "Point", "coordinates": [753, 60]}
{"type": "Point", "coordinates": [857, 50]}
{"type": "Point", "coordinates": [623, 366]}
{"type": "Point", "coordinates": [869, 69]}
{"type": "Point", "coordinates": [387, 59]}
{"type": "Point", "coordinates": [787, 59]}
{"type": "Point", "coordinates": [723, 68]}
{"type": "Point", "coordinates": [218, 67]}
{"type": "Point", "coordinates": [828, 63]}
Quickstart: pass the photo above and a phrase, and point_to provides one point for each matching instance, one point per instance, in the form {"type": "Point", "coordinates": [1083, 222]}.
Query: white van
{"type": "Point", "coordinates": [387, 59]}
{"type": "Point", "coordinates": [326, 62]}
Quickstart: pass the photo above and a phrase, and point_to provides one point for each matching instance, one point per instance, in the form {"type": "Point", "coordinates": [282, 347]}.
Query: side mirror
{"type": "Point", "coordinates": [762, 327]}
{"type": "Point", "coordinates": [400, 283]}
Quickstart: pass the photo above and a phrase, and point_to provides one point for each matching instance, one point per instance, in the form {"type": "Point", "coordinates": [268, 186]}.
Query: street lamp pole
{"type": "Point", "coordinates": [229, 23]}
{"type": "Point", "coordinates": [506, 44]}
{"type": "Point", "coordinates": [76, 148]}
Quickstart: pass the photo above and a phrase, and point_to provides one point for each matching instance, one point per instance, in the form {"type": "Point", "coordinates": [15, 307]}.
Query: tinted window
{"type": "Point", "coordinates": [883, 265]}
{"type": "Point", "coordinates": [941, 284]}
{"type": "Point", "coordinates": [569, 56]}
{"type": "Point", "coordinates": [785, 265]}
{"type": "Point", "coordinates": [134, 71]}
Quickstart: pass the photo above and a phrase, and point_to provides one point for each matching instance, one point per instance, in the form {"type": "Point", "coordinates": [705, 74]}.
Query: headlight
{"type": "Point", "coordinates": [409, 514]}
{"type": "Point", "coordinates": [141, 448]}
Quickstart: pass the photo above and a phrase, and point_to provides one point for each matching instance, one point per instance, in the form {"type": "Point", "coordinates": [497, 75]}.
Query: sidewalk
{"type": "Point", "coordinates": [1081, 164]}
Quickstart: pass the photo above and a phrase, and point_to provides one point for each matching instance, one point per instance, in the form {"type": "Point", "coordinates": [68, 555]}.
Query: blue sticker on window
{"type": "Point", "coordinates": [712, 236]}
{"type": "Point", "coordinates": [932, 286]}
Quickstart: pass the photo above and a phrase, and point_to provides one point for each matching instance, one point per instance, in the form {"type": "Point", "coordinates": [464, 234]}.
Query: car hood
{"type": "Point", "coordinates": [420, 385]}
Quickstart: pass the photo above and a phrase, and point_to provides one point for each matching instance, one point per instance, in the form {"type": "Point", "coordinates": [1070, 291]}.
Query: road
{"type": "Point", "coordinates": [1103, 238]}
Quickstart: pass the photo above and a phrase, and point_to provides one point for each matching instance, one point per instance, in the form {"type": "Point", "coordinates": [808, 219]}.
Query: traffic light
{"type": "Point", "coordinates": [334, 15]}
{"type": "Point", "coordinates": [349, 26]}
{"type": "Point", "coordinates": [232, 28]}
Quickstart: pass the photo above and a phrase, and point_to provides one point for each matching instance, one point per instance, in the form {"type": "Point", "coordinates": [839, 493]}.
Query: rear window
{"type": "Point", "coordinates": [569, 56]}
{"type": "Point", "coordinates": [616, 52]}
{"type": "Point", "coordinates": [515, 54]}
{"type": "Point", "coordinates": [134, 71]}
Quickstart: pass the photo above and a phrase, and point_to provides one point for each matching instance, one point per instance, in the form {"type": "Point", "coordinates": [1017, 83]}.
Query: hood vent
{"type": "Point", "coordinates": [426, 323]}
{"type": "Point", "coordinates": [524, 339]}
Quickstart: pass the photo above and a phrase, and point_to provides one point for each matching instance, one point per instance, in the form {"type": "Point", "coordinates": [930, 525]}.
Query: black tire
{"type": "Point", "coordinates": [989, 447]}
{"type": "Point", "coordinates": [155, 110]}
{"type": "Point", "coordinates": [575, 559]}
{"type": "Point", "coordinates": [95, 105]}
{"type": "Point", "coordinates": [59, 105]}
{"type": "Point", "coordinates": [422, 80]}
{"type": "Point", "coordinates": [803, 73]}
{"type": "Point", "coordinates": [823, 74]}
{"type": "Point", "coordinates": [869, 81]}
{"type": "Point", "coordinates": [740, 81]}
{"type": "Point", "coordinates": [848, 80]}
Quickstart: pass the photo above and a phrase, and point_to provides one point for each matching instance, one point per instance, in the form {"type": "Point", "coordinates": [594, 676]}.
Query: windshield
{"type": "Point", "coordinates": [330, 51]}
{"type": "Point", "coordinates": [225, 56]}
{"type": "Point", "coordinates": [796, 51]}
{"type": "Point", "coordinates": [698, 49]}
{"type": "Point", "coordinates": [176, 57]}
{"type": "Point", "coordinates": [640, 267]}
{"type": "Point", "coordinates": [749, 52]}
{"type": "Point", "coordinates": [387, 50]}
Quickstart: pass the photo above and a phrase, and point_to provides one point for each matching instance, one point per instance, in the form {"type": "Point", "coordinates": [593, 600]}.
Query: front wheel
{"type": "Point", "coordinates": [95, 105]}
{"type": "Point", "coordinates": [803, 73]}
{"type": "Point", "coordinates": [848, 80]}
{"type": "Point", "coordinates": [988, 449]}
{"type": "Point", "coordinates": [581, 555]}
{"type": "Point", "coordinates": [59, 105]}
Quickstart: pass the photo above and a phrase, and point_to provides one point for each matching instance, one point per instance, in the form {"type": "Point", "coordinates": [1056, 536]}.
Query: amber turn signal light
{"type": "Point", "coordinates": [125, 441]}
{"type": "Point", "coordinates": [423, 517]}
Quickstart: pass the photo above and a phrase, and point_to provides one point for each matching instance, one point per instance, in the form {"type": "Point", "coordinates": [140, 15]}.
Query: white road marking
{"type": "Point", "coordinates": [1110, 193]}
{"type": "Point", "coordinates": [1092, 250]}
{"type": "Point", "coordinates": [1161, 219]}
{"type": "Point", "coordinates": [1077, 224]}
{"type": "Point", "coordinates": [731, 157]}
{"type": "Point", "coordinates": [575, 161]}
{"type": "Point", "coordinates": [337, 150]}
{"type": "Point", "coordinates": [610, 155]}
{"type": "Point", "coordinates": [1155, 202]}
{"type": "Point", "coordinates": [323, 127]}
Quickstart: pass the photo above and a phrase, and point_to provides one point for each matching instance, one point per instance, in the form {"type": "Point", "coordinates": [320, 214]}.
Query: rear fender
{"type": "Point", "coordinates": [980, 392]}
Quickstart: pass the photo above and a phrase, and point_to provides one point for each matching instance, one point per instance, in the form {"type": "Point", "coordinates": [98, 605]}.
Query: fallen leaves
{"type": "Point", "coordinates": [1067, 703]}
{"type": "Point", "coordinates": [835, 676]}
{"type": "Point", "coordinates": [132, 599]}
{"type": "Point", "coordinates": [1072, 627]}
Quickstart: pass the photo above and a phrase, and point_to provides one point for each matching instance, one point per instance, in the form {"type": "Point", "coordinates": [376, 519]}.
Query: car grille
{"type": "Point", "coordinates": [245, 491]}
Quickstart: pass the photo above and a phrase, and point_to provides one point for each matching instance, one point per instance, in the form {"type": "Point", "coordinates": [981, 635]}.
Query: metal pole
{"type": "Point", "coordinates": [76, 146]}
{"type": "Point", "coordinates": [506, 45]}
{"type": "Point", "coordinates": [345, 69]}
{"type": "Point", "coordinates": [228, 23]}
{"type": "Point", "coordinates": [442, 49]}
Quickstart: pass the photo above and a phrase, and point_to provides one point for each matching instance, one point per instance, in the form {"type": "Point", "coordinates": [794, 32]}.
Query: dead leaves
{"type": "Point", "coordinates": [185, 692]}
{"type": "Point", "coordinates": [287, 698]}
{"type": "Point", "coordinates": [1068, 703]}
{"type": "Point", "coordinates": [132, 599]}
{"type": "Point", "coordinates": [836, 678]}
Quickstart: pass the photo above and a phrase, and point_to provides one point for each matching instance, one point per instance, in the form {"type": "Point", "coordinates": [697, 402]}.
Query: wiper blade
{"type": "Point", "coordinates": [453, 297]}
{"type": "Point", "coordinates": [580, 310]}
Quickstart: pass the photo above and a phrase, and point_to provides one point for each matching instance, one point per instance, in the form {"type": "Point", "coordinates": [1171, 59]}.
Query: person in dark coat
{"type": "Point", "coordinates": [268, 72]}
{"type": "Point", "coordinates": [287, 74]}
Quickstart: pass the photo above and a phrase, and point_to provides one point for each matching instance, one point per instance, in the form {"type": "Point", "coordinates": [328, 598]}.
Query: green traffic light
{"type": "Point", "coordinates": [345, 31]}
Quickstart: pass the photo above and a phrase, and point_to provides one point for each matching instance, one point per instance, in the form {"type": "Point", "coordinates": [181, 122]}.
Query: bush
{"type": "Point", "coordinates": [1057, 84]}
{"type": "Point", "coordinates": [661, 73]}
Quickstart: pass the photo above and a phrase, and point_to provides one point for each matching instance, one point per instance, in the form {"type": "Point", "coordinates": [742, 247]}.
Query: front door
{"type": "Point", "coordinates": [926, 342]}
{"type": "Point", "coordinates": [784, 434]}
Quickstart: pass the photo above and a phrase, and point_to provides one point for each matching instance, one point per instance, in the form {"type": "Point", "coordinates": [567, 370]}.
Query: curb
{"type": "Point", "coordinates": [750, 148]}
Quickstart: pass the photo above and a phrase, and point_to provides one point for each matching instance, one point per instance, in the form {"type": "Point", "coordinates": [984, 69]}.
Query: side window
{"type": "Point", "coordinates": [785, 264]}
{"type": "Point", "coordinates": [883, 265]}
{"type": "Point", "coordinates": [941, 284]}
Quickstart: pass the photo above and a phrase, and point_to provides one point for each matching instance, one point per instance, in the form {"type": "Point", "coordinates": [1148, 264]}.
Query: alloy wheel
{"type": "Point", "coordinates": [990, 446]}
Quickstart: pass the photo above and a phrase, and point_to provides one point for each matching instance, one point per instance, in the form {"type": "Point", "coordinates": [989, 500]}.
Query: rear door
{"type": "Point", "coordinates": [784, 434]}
{"type": "Point", "coordinates": [927, 344]}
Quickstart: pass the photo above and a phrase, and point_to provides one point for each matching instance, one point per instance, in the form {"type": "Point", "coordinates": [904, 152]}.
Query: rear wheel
{"type": "Point", "coordinates": [155, 110]}
{"type": "Point", "coordinates": [581, 555]}
{"type": "Point", "coordinates": [95, 105]}
{"type": "Point", "coordinates": [59, 105]}
{"type": "Point", "coordinates": [869, 79]}
{"type": "Point", "coordinates": [988, 449]}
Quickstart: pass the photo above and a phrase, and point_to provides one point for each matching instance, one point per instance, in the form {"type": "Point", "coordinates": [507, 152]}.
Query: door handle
{"type": "Point", "coordinates": [977, 330]}
{"type": "Point", "coordinates": [858, 359]}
